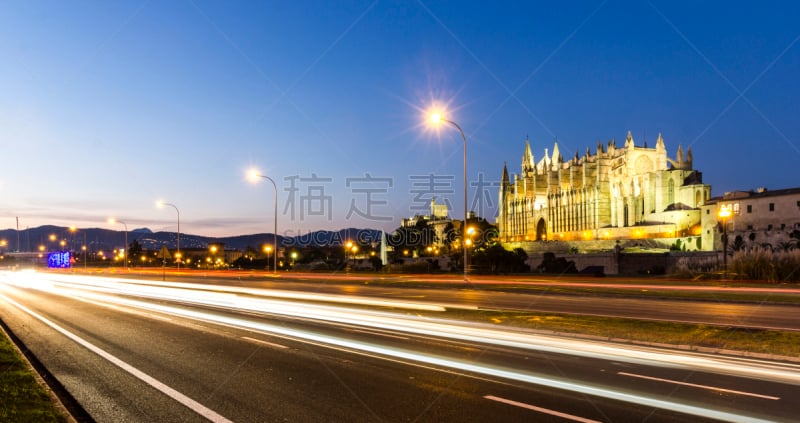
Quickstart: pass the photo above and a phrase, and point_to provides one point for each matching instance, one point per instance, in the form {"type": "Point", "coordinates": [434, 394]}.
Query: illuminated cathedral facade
{"type": "Point", "coordinates": [625, 192]}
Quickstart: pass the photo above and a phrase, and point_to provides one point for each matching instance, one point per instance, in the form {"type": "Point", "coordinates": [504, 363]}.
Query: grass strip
{"type": "Point", "coordinates": [653, 293]}
{"type": "Point", "coordinates": [22, 398]}
{"type": "Point", "coordinates": [695, 336]}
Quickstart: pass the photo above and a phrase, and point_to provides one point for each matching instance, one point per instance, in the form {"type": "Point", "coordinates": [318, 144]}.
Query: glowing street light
{"type": "Point", "coordinates": [161, 204]}
{"type": "Point", "coordinates": [436, 119]}
{"type": "Point", "coordinates": [111, 220]}
{"type": "Point", "coordinates": [254, 175]}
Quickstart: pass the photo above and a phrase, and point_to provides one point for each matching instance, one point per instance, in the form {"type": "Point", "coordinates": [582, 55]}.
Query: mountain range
{"type": "Point", "coordinates": [51, 237]}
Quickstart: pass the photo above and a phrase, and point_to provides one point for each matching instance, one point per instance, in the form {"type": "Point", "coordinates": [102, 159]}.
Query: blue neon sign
{"type": "Point", "coordinates": [58, 259]}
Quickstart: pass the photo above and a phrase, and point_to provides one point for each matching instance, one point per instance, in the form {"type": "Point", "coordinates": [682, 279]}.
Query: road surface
{"type": "Point", "coordinates": [138, 351]}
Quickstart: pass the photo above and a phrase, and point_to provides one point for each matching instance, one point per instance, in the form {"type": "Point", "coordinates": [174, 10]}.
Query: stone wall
{"type": "Point", "coordinates": [630, 263]}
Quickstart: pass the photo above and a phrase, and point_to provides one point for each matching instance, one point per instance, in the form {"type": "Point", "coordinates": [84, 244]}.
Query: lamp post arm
{"type": "Point", "coordinates": [464, 228]}
{"type": "Point", "coordinates": [179, 229]}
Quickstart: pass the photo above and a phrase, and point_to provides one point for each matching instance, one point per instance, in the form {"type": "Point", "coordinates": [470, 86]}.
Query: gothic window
{"type": "Point", "coordinates": [625, 215]}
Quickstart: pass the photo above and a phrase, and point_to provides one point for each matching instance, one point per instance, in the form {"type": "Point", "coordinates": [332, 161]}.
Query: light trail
{"type": "Point", "coordinates": [561, 281]}
{"type": "Point", "coordinates": [100, 281]}
{"type": "Point", "coordinates": [430, 327]}
{"type": "Point", "coordinates": [452, 329]}
{"type": "Point", "coordinates": [189, 403]}
{"type": "Point", "coordinates": [443, 362]}
{"type": "Point", "coordinates": [695, 385]}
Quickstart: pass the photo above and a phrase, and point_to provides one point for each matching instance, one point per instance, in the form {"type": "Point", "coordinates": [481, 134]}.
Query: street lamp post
{"type": "Point", "coordinates": [125, 248]}
{"type": "Point", "coordinates": [178, 253]}
{"type": "Point", "coordinates": [436, 118]}
{"type": "Point", "coordinates": [724, 214]}
{"type": "Point", "coordinates": [74, 229]}
{"type": "Point", "coordinates": [347, 249]}
{"type": "Point", "coordinates": [256, 174]}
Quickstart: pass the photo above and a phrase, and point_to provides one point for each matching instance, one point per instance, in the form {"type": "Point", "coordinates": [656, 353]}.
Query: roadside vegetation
{"type": "Point", "coordinates": [22, 398]}
{"type": "Point", "coordinates": [766, 264]}
{"type": "Point", "coordinates": [682, 335]}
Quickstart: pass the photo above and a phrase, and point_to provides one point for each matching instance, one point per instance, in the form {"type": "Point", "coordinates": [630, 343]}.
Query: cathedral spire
{"type": "Point", "coordinates": [660, 143]}
{"type": "Point", "coordinates": [527, 157]}
{"type": "Point", "coordinates": [629, 140]}
{"type": "Point", "coordinates": [556, 153]}
{"type": "Point", "coordinates": [504, 181]}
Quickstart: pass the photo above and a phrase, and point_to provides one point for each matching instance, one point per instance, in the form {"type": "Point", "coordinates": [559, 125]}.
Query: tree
{"type": "Point", "coordinates": [409, 241]}
{"type": "Point", "coordinates": [738, 244]}
{"type": "Point", "coordinates": [496, 259]}
{"type": "Point", "coordinates": [449, 235]}
{"type": "Point", "coordinates": [376, 262]}
{"type": "Point", "coordinates": [484, 234]}
{"type": "Point", "coordinates": [560, 265]}
{"type": "Point", "coordinates": [427, 235]}
{"type": "Point", "coordinates": [134, 251]}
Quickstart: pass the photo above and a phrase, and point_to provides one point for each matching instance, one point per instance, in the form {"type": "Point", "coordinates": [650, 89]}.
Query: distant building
{"type": "Point", "coordinates": [765, 218]}
{"type": "Point", "coordinates": [438, 219]}
{"type": "Point", "coordinates": [215, 255]}
{"type": "Point", "coordinates": [628, 192]}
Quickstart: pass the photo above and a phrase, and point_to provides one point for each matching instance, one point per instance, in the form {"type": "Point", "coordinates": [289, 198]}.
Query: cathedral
{"type": "Point", "coordinates": [628, 192]}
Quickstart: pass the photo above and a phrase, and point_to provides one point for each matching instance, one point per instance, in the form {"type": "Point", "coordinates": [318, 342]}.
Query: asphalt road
{"type": "Point", "coordinates": [758, 315]}
{"type": "Point", "coordinates": [132, 352]}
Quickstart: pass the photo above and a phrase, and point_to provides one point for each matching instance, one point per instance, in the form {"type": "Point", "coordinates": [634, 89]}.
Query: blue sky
{"type": "Point", "coordinates": [107, 107]}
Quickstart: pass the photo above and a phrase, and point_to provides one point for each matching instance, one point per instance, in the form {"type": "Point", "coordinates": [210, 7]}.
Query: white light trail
{"type": "Point", "coordinates": [193, 405]}
{"type": "Point", "coordinates": [695, 385]}
{"type": "Point", "coordinates": [484, 334]}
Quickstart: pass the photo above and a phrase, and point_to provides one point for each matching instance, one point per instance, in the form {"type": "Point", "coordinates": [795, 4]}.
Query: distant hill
{"type": "Point", "coordinates": [106, 239]}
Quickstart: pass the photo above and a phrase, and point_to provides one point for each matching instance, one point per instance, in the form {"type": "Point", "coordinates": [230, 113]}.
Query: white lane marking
{"type": "Point", "coordinates": [541, 410]}
{"type": "Point", "coordinates": [694, 385]}
{"type": "Point", "coordinates": [271, 344]}
{"type": "Point", "coordinates": [172, 393]}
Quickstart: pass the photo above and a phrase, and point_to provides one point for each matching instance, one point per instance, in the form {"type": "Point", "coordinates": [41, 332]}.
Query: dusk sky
{"type": "Point", "coordinates": [107, 107]}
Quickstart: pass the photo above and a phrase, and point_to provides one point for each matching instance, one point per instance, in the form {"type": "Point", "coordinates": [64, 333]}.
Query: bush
{"type": "Point", "coordinates": [560, 265]}
{"type": "Point", "coordinates": [767, 265]}
{"type": "Point", "coordinates": [496, 259]}
{"type": "Point", "coordinates": [690, 266]}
